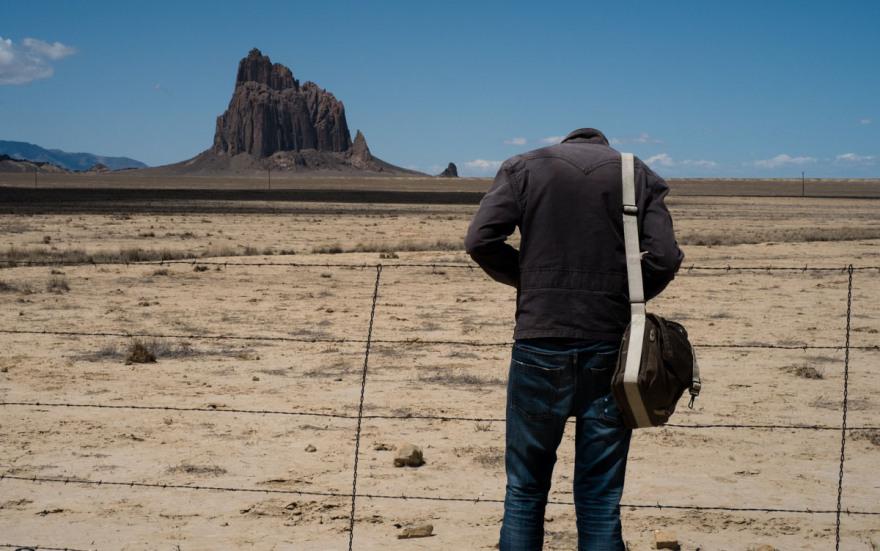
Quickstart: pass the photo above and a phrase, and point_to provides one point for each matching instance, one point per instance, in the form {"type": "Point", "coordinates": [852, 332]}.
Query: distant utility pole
{"type": "Point", "coordinates": [269, 178]}
{"type": "Point", "coordinates": [803, 185]}
{"type": "Point", "coordinates": [35, 177]}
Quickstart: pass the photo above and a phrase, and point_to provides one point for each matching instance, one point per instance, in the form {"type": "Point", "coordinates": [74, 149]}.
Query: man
{"type": "Point", "coordinates": [572, 307]}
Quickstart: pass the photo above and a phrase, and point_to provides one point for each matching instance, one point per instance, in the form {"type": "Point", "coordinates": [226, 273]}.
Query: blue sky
{"type": "Point", "coordinates": [697, 88]}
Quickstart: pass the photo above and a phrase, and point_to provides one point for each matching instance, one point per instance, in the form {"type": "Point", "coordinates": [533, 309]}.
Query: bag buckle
{"type": "Point", "coordinates": [695, 391]}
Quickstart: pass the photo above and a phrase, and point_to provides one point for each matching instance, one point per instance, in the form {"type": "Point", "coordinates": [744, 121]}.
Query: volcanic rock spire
{"type": "Point", "coordinates": [275, 123]}
{"type": "Point", "coordinates": [270, 112]}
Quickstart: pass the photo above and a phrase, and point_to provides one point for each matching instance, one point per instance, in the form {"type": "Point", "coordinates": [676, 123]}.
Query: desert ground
{"type": "Point", "coordinates": [255, 390]}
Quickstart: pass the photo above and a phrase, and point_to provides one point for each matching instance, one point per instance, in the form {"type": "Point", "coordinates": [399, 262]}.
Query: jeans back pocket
{"type": "Point", "coordinates": [536, 380]}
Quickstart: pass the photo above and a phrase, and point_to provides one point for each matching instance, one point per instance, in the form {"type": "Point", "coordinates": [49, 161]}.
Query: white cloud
{"type": "Point", "coordinates": [515, 141]}
{"type": "Point", "coordinates": [664, 160]}
{"type": "Point", "coordinates": [644, 137]}
{"type": "Point", "coordinates": [30, 61]}
{"type": "Point", "coordinates": [483, 164]}
{"type": "Point", "coordinates": [865, 121]}
{"type": "Point", "coordinates": [55, 50]}
{"type": "Point", "coordinates": [853, 158]}
{"type": "Point", "coordinates": [784, 160]}
{"type": "Point", "coordinates": [661, 159]}
{"type": "Point", "coordinates": [480, 167]}
{"type": "Point", "coordinates": [699, 163]}
{"type": "Point", "coordinates": [6, 54]}
{"type": "Point", "coordinates": [552, 139]}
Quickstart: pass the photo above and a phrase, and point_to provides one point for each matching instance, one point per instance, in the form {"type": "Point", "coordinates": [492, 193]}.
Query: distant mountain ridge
{"type": "Point", "coordinates": [70, 161]}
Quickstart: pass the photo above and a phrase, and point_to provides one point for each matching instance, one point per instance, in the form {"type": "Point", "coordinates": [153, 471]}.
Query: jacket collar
{"type": "Point", "coordinates": [590, 135]}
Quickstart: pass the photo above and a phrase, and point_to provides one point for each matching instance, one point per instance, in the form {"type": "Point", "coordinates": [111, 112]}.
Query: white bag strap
{"type": "Point", "coordinates": [631, 230]}
{"type": "Point", "coordinates": [636, 292]}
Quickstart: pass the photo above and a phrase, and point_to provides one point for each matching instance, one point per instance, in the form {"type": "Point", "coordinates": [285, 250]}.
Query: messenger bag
{"type": "Point", "coordinates": [657, 361]}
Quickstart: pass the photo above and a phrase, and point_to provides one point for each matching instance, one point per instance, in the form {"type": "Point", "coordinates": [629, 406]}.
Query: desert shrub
{"type": "Point", "coordinates": [7, 287]}
{"type": "Point", "coordinates": [871, 435]}
{"type": "Point", "coordinates": [200, 268]}
{"type": "Point", "coordinates": [139, 353]}
{"type": "Point", "coordinates": [330, 249]}
{"type": "Point", "coordinates": [188, 468]}
{"type": "Point", "coordinates": [57, 284]}
{"type": "Point", "coordinates": [805, 371]}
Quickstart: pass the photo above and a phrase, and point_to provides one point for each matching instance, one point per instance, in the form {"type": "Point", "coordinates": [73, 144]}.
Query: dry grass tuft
{"type": "Point", "coordinates": [457, 378]}
{"type": "Point", "coordinates": [189, 468]}
{"type": "Point", "coordinates": [14, 255]}
{"type": "Point", "coordinates": [139, 353]}
{"type": "Point", "coordinates": [163, 348]}
{"type": "Point", "coordinates": [871, 435]}
{"type": "Point", "coordinates": [392, 248]}
{"type": "Point", "coordinates": [58, 284]}
{"type": "Point", "coordinates": [778, 235]}
{"type": "Point", "coordinates": [8, 287]}
{"type": "Point", "coordinates": [805, 371]}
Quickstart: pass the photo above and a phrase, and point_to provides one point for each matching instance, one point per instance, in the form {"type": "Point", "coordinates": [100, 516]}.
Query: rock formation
{"type": "Point", "coordinates": [275, 123]}
{"type": "Point", "coordinates": [450, 172]}
{"type": "Point", "coordinates": [270, 111]}
{"type": "Point", "coordinates": [360, 152]}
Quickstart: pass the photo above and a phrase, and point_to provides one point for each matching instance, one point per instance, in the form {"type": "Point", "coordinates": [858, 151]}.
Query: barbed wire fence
{"type": "Point", "coordinates": [838, 511]}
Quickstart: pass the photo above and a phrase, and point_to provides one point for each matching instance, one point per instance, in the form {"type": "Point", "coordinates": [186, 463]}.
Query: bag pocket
{"type": "Point", "coordinates": [609, 413]}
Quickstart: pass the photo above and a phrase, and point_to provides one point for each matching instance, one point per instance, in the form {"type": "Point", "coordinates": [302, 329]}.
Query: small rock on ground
{"type": "Point", "coordinates": [310, 448]}
{"type": "Point", "coordinates": [409, 455]}
{"type": "Point", "coordinates": [664, 539]}
{"type": "Point", "coordinates": [420, 531]}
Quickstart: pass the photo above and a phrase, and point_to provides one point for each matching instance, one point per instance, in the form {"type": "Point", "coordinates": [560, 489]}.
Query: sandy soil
{"type": "Point", "coordinates": [783, 468]}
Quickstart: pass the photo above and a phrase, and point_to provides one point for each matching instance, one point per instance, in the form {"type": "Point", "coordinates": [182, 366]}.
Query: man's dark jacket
{"type": "Point", "coordinates": [570, 270]}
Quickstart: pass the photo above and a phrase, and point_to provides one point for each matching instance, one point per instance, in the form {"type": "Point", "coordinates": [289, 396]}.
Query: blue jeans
{"type": "Point", "coordinates": [547, 385]}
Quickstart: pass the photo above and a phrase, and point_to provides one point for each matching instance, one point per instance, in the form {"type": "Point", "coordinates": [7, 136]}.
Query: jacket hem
{"type": "Point", "coordinates": [567, 334]}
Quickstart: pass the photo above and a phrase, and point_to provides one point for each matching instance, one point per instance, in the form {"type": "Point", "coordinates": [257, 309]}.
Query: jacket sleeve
{"type": "Point", "coordinates": [661, 256]}
{"type": "Point", "coordinates": [496, 218]}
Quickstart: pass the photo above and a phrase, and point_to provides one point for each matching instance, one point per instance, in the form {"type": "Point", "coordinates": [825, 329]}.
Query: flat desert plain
{"type": "Point", "coordinates": [257, 413]}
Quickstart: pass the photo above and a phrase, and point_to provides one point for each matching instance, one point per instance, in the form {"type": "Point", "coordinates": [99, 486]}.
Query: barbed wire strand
{"type": "Point", "coordinates": [409, 342]}
{"type": "Point", "coordinates": [419, 417]}
{"type": "Point", "coordinates": [360, 415]}
{"type": "Point", "coordinates": [10, 262]}
{"type": "Point", "coordinates": [38, 547]}
{"type": "Point", "coordinates": [478, 499]}
{"type": "Point", "coordinates": [849, 294]}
